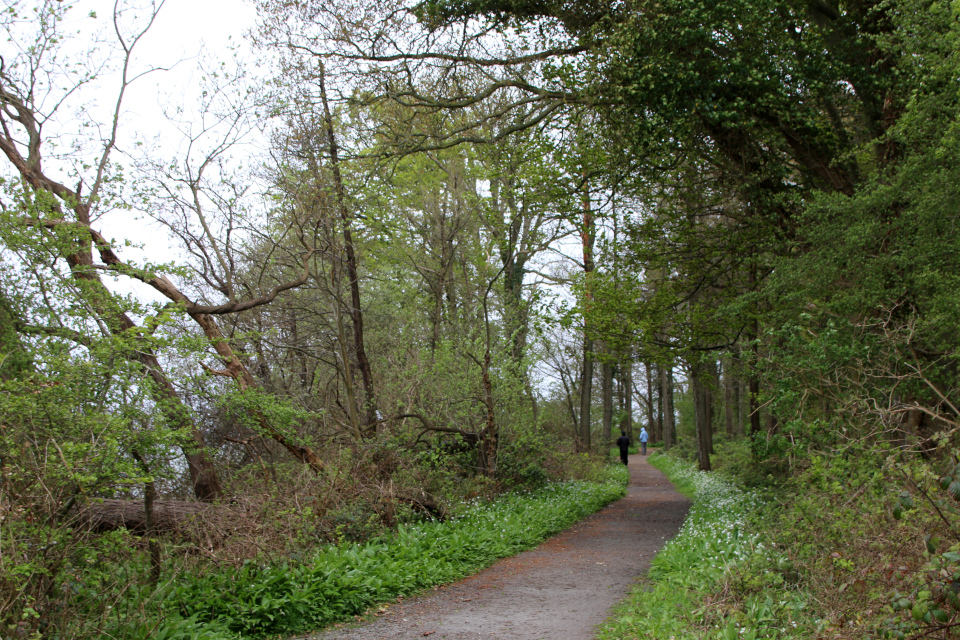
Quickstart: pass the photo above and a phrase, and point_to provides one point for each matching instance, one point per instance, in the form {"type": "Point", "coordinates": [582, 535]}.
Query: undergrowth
{"type": "Point", "coordinates": [874, 531]}
{"type": "Point", "coordinates": [719, 577]}
{"type": "Point", "coordinates": [260, 599]}
{"type": "Point", "coordinates": [859, 541]}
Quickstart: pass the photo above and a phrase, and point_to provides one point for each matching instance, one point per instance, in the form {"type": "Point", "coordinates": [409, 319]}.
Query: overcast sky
{"type": "Point", "coordinates": [182, 30]}
{"type": "Point", "coordinates": [183, 25]}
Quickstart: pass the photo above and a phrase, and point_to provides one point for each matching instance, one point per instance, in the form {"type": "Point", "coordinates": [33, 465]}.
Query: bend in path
{"type": "Point", "coordinates": [559, 591]}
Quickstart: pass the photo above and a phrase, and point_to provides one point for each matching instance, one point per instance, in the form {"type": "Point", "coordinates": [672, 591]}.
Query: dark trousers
{"type": "Point", "coordinates": [644, 445]}
{"type": "Point", "coordinates": [623, 456]}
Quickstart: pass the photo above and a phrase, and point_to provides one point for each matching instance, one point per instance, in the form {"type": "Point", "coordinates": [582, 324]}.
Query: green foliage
{"type": "Point", "coordinates": [171, 627]}
{"type": "Point", "coordinates": [522, 460]}
{"type": "Point", "coordinates": [719, 547]}
{"type": "Point", "coordinates": [738, 460]}
{"type": "Point", "coordinates": [250, 407]}
{"type": "Point", "coordinates": [869, 535]}
{"type": "Point", "coordinates": [925, 601]}
{"type": "Point", "coordinates": [865, 306]}
{"type": "Point", "coordinates": [65, 438]}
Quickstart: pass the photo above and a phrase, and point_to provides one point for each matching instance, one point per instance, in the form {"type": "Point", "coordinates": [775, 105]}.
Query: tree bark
{"type": "Point", "coordinates": [701, 410]}
{"type": "Point", "coordinates": [711, 383]}
{"type": "Point", "coordinates": [754, 405]}
{"type": "Point", "coordinates": [743, 407]}
{"type": "Point", "coordinates": [150, 525]}
{"type": "Point", "coordinates": [490, 435]}
{"type": "Point", "coordinates": [656, 391]}
{"type": "Point", "coordinates": [568, 396]}
{"type": "Point", "coordinates": [356, 311]}
{"type": "Point", "coordinates": [626, 375]}
{"type": "Point", "coordinates": [167, 515]}
{"type": "Point", "coordinates": [772, 424]}
{"type": "Point", "coordinates": [586, 387]}
{"type": "Point", "coordinates": [490, 441]}
{"type": "Point", "coordinates": [587, 233]}
{"type": "Point", "coordinates": [652, 401]}
{"type": "Point", "coordinates": [754, 337]}
{"type": "Point", "coordinates": [666, 394]}
{"type": "Point", "coordinates": [728, 397]}
{"type": "Point", "coordinates": [606, 390]}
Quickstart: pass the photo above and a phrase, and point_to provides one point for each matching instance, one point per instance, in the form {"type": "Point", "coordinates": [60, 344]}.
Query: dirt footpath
{"type": "Point", "coordinates": [559, 591]}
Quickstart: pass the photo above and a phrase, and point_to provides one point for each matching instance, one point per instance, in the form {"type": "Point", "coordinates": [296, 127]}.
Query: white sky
{"type": "Point", "coordinates": [183, 25]}
{"type": "Point", "coordinates": [183, 31]}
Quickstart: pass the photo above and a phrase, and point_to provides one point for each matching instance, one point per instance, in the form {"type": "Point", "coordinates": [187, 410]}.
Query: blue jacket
{"type": "Point", "coordinates": [643, 435]}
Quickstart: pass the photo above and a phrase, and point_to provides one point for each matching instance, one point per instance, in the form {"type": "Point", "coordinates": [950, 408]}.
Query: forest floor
{"type": "Point", "coordinates": [559, 591]}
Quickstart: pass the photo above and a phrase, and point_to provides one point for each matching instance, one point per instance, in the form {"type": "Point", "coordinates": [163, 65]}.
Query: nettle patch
{"type": "Point", "coordinates": [718, 576]}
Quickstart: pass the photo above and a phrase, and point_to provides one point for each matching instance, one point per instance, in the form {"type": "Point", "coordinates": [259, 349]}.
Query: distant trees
{"type": "Point", "coordinates": [742, 123]}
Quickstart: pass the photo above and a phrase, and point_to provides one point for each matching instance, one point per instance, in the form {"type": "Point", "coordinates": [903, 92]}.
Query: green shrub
{"type": "Point", "coordinates": [736, 459]}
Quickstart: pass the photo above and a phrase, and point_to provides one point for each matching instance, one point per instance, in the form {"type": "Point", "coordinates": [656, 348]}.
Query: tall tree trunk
{"type": "Point", "coordinates": [153, 544]}
{"type": "Point", "coordinates": [754, 406]}
{"type": "Point", "coordinates": [743, 407]}
{"type": "Point", "coordinates": [352, 408]}
{"type": "Point", "coordinates": [666, 395]}
{"type": "Point", "coordinates": [586, 387]}
{"type": "Point", "coordinates": [651, 401]}
{"type": "Point", "coordinates": [670, 407]}
{"type": "Point", "coordinates": [606, 390]}
{"type": "Point", "coordinates": [356, 311]}
{"type": "Point", "coordinates": [587, 234]}
{"type": "Point", "coordinates": [150, 526]}
{"type": "Point", "coordinates": [754, 338]}
{"type": "Point", "coordinates": [626, 376]}
{"type": "Point", "coordinates": [568, 394]}
{"type": "Point", "coordinates": [490, 435]}
{"type": "Point", "coordinates": [701, 412]}
{"type": "Point", "coordinates": [656, 391]}
{"type": "Point", "coordinates": [711, 384]}
{"type": "Point", "coordinates": [729, 403]}
{"type": "Point", "coordinates": [490, 440]}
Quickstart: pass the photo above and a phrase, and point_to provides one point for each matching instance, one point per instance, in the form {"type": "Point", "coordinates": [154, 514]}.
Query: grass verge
{"type": "Point", "coordinates": [717, 578]}
{"type": "Point", "coordinates": [257, 600]}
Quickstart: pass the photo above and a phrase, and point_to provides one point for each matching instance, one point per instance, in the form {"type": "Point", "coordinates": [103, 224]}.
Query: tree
{"type": "Point", "coordinates": [49, 218]}
{"type": "Point", "coordinates": [61, 218]}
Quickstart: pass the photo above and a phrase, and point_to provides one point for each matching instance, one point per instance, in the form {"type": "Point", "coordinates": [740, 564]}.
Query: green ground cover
{"type": "Point", "coordinates": [339, 582]}
{"type": "Point", "coordinates": [718, 578]}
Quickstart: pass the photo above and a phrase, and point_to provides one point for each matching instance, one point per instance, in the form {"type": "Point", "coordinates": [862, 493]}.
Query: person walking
{"type": "Point", "coordinates": [624, 443]}
{"type": "Point", "coordinates": [643, 439]}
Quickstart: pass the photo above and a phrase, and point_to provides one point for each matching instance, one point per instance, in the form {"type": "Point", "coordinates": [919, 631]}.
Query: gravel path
{"type": "Point", "coordinates": [559, 591]}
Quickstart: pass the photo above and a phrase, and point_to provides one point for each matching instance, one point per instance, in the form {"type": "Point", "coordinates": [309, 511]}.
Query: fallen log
{"type": "Point", "coordinates": [169, 515]}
